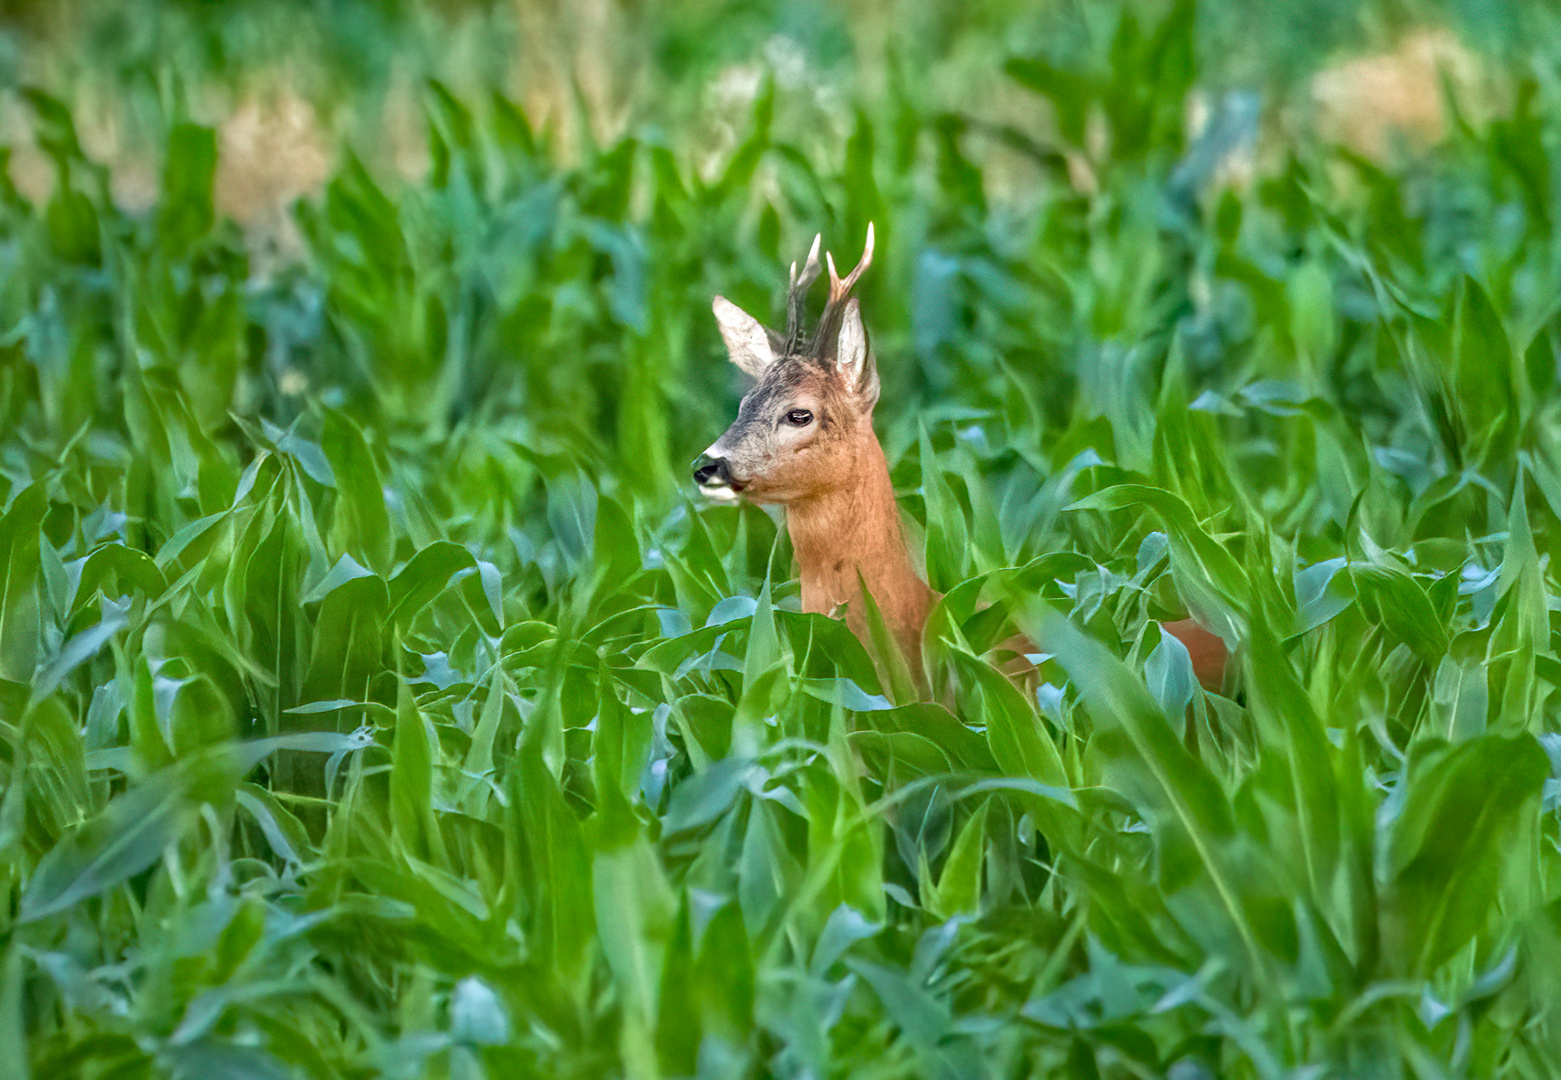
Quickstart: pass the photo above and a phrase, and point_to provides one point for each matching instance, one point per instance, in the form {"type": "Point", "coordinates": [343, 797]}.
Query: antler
{"type": "Point", "coordinates": [838, 289]}
{"type": "Point", "coordinates": [822, 341]}
{"type": "Point", "coordinates": [825, 337]}
{"type": "Point", "coordinates": [797, 295]}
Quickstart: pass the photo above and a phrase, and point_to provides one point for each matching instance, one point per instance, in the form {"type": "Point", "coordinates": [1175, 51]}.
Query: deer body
{"type": "Point", "coordinates": [804, 438]}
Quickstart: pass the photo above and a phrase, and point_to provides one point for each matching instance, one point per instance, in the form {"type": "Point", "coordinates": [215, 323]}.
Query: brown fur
{"type": "Point", "coordinates": [848, 535]}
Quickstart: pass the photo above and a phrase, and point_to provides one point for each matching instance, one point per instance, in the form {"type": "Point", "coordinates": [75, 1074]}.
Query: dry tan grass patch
{"type": "Point", "coordinates": [1376, 102]}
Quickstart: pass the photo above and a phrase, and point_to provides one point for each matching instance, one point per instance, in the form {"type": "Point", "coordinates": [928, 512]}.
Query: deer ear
{"type": "Point", "coordinates": [854, 357]}
{"type": "Point", "coordinates": [747, 342]}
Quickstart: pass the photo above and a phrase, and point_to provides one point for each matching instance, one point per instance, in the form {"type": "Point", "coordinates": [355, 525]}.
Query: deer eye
{"type": "Point", "coordinates": [799, 418]}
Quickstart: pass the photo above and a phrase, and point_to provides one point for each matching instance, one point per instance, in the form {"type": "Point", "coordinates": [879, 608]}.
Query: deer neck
{"type": "Point", "coordinates": [849, 537]}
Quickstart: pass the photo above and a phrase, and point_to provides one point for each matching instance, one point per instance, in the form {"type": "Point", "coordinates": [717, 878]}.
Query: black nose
{"type": "Point", "coordinates": [709, 471]}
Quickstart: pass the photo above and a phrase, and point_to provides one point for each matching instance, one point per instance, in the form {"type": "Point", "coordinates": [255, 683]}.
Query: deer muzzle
{"type": "Point", "coordinates": [714, 477]}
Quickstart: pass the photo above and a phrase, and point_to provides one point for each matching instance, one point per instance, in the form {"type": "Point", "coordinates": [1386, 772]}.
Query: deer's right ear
{"type": "Point", "coordinates": [747, 341]}
{"type": "Point", "coordinates": [854, 357]}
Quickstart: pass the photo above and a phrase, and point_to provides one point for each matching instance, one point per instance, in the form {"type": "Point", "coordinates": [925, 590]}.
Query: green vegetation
{"type": "Point", "coordinates": [374, 700]}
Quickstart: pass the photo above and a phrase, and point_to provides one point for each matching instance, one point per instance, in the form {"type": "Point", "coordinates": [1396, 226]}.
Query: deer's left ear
{"type": "Point", "coordinates": [747, 341]}
{"type": "Point", "coordinates": [854, 357]}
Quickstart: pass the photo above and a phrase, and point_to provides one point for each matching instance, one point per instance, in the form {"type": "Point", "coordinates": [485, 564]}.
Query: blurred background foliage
{"type": "Point", "coordinates": [375, 702]}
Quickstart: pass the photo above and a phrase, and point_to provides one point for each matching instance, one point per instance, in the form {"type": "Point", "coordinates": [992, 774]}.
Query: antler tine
{"type": "Point", "coordinates": [838, 289]}
{"type": "Point", "coordinates": [797, 294]}
{"type": "Point", "coordinates": [809, 268]}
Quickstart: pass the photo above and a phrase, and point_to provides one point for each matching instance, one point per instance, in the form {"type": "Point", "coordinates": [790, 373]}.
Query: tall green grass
{"type": "Point", "coordinates": [375, 702]}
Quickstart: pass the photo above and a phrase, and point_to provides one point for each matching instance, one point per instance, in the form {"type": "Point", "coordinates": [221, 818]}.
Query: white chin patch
{"type": "Point", "coordinates": [718, 493]}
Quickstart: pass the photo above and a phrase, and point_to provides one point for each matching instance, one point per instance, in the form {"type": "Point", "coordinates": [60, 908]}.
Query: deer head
{"type": "Point", "coordinates": [806, 426]}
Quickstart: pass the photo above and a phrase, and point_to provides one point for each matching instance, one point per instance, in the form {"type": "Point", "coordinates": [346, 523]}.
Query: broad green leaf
{"type": "Point", "coordinates": [189, 166]}
{"type": "Point", "coordinates": [349, 640]}
{"type": "Point", "coordinates": [1020, 744]}
{"type": "Point", "coordinates": [272, 580]}
{"type": "Point", "coordinates": [75, 652]}
{"type": "Point", "coordinates": [13, 1016]}
{"type": "Point", "coordinates": [958, 890]}
{"type": "Point", "coordinates": [894, 667]}
{"type": "Point", "coordinates": [479, 756]}
{"type": "Point", "coordinates": [118, 570]}
{"type": "Point", "coordinates": [706, 795]}
{"type": "Point", "coordinates": [948, 541]}
{"type": "Point", "coordinates": [425, 576]}
{"type": "Point", "coordinates": [550, 876]}
{"type": "Point", "coordinates": [1168, 673]}
{"type": "Point", "coordinates": [763, 642]}
{"type": "Point", "coordinates": [922, 1018]}
{"type": "Point", "coordinates": [1399, 603]}
{"type": "Point", "coordinates": [1484, 365]}
{"type": "Point", "coordinates": [634, 907]}
{"type": "Point", "coordinates": [412, 781]}
{"type": "Point", "coordinates": [1523, 629]}
{"type": "Point", "coordinates": [19, 576]}
{"type": "Point", "coordinates": [1211, 580]}
{"type": "Point", "coordinates": [1292, 733]}
{"type": "Point", "coordinates": [622, 745]}
{"type": "Point", "coordinates": [362, 527]}
{"type": "Point", "coordinates": [1468, 822]}
{"type": "Point", "coordinates": [129, 836]}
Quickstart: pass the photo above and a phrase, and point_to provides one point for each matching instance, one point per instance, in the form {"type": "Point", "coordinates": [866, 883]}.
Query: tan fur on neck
{"type": "Point", "coordinates": [851, 530]}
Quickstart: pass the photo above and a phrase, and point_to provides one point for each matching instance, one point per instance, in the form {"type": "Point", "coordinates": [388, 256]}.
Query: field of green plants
{"type": "Point", "coordinates": [377, 700]}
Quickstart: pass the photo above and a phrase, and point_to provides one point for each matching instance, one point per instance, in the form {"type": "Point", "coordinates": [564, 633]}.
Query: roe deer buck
{"type": "Point", "coordinates": [804, 438]}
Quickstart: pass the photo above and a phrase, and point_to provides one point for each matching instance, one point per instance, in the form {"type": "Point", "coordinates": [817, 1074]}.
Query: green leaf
{"type": "Point", "coordinates": [1292, 734]}
{"type": "Point", "coordinates": [894, 667]}
{"type": "Point", "coordinates": [189, 168]}
{"type": "Point", "coordinates": [706, 795]}
{"type": "Point", "coordinates": [424, 577]}
{"type": "Point", "coordinates": [622, 744]}
{"type": "Point", "coordinates": [361, 526]}
{"type": "Point", "coordinates": [1523, 629]}
{"type": "Point", "coordinates": [1468, 822]}
{"type": "Point", "coordinates": [1020, 744]}
{"type": "Point", "coordinates": [959, 886]}
{"type": "Point", "coordinates": [479, 756]}
{"type": "Point", "coordinates": [75, 652]}
{"type": "Point", "coordinates": [922, 1018]}
{"type": "Point", "coordinates": [846, 694]}
{"type": "Point", "coordinates": [412, 781]}
{"type": "Point", "coordinates": [634, 908]}
{"type": "Point", "coordinates": [118, 570]}
{"type": "Point", "coordinates": [20, 572]}
{"type": "Point", "coordinates": [939, 731]}
{"type": "Point", "coordinates": [948, 542]}
{"type": "Point", "coordinates": [13, 1016]}
{"type": "Point", "coordinates": [1168, 673]}
{"type": "Point", "coordinates": [1212, 583]}
{"type": "Point", "coordinates": [763, 642]}
{"type": "Point", "coordinates": [1399, 603]}
{"type": "Point", "coordinates": [129, 836]}
{"type": "Point", "coordinates": [349, 640]}
{"type": "Point", "coordinates": [550, 877]}
{"type": "Point", "coordinates": [1483, 362]}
